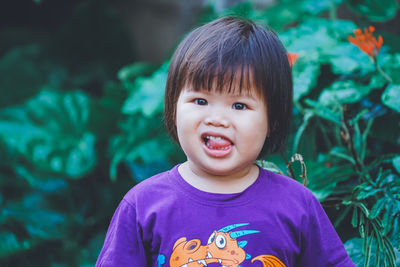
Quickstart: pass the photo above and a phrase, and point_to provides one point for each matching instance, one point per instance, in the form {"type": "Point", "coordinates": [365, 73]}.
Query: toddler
{"type": "Point", "coordinates": [228, 102]}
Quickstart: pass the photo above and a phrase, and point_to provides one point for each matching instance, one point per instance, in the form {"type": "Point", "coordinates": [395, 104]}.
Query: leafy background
{"type": "Point", "coordinates": [81, 123]}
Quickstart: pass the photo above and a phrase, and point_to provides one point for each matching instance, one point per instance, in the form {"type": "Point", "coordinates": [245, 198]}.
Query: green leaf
{"type": "Point", "coordinates": [395, 237]}
{"type": "Point", "coordinates": [9, 244]}
{"type": "Point", "coordinates": [390, 253]}
{"type": "Point", "coordinates": [341, 152]}
{"type": "Point", "coordinates": [354, 219]}
{"type": "Point", "coordinates": [298, 39]}
{"type": "Point", "coordinates": [142, 171]}
{"type": "Point", "coordinates": [132, 71]}
{"type": "Point", "coordinates": [45, 224]}
{"type": "Point", "coordinates": [38, 219]}
{"type": "Point", "coordinates": [43, 184]}
{"type": "Point", "coordinates": [343, 65]}
{"type": "Point", "coordinates": [374, 10]}
{"type": "Point", "coordinates": [377, 208]}
{"type": "Point", "coordinates": [354, 249]}
{"type": "Point", "coordinates": [268, 165]}
{"type": "Point", "coordinates": [343, 214]}
{"type": "Point", "coordinates": [381, 176]}
{"type": "Point", "coordinates": [388, 217]}
{"type": "Point", "coordinates": [390, 64]}
{"type": "Point", "coordinates": [391, 97]}
{"type": "Point", "coordinates": [364, 139]}
{"type": "Point", "coordinates": [277, 16]}
{"type": "Point", "coordinates": [324, 175]}
{"type": "Point", "coordinates": [346, 58]}
{"type": "Point", "coordinates": [129, 73]}
{"type": "Point", "coordinates": [305, 75]}
{"type": "Point", "coordinates": [396, 163]}
{"type": "Point", "coordinates": [50, 132]}
{"type": "Point", "coordinates": [316, 7]}
{"type": "Point", "coordinates": [139, 135]}
{"type": "Point", "coordinates": [343, 92]}
{"type": "Point", "coordinates": [377, 81]}
{"type": "Point", "coordinates": [148, 97]}
{"type": "Point", "coordinates": [368, 249]}
{"type": "Point", "coordinates": [306, 118]}
{"type": "Point", "coordinates": [368, 193]}
{"type": "Point", "coordinates": [324, 112]}
{"type": "Point", "coordinates": [361, 225]}
{"type": "Point", "coordinates": [315, 38]}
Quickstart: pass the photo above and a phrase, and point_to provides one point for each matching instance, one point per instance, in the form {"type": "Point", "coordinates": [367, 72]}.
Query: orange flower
{"type": "Point", "coordinates": [366, 41]}
{"type": "Point", "coordinates": [292, 57]}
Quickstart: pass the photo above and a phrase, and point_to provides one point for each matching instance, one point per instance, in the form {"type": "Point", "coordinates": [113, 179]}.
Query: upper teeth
{"type": "Point", "coordinates": [202, 262]}
{"type": "Point", "coordinates": [214, 137]}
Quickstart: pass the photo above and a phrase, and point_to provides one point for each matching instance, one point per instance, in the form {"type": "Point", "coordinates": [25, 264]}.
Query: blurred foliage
{"type": "Point", "coordinates": [81, 123]}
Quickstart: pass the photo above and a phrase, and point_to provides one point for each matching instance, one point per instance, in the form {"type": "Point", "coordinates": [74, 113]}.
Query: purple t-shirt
{"type": "Point", "coordinates": [164, 221]}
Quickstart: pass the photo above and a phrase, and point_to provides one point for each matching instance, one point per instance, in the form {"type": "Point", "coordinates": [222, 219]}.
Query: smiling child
{"type": "Point", "coordinates": [228, 102]}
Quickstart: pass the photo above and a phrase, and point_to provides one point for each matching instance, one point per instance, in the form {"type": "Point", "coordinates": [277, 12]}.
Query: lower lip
{"type": "Point", "coordinates": [217, 153]}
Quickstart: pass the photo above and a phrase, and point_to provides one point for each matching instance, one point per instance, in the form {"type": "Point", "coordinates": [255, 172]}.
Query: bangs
{"type": "Point", "coordinates": [230, 67]}
{"type": "Point", "coordinates": [233, 78]}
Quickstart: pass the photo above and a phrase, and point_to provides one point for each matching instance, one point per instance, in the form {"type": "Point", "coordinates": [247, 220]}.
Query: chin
{"type": "Point", "coordinates": [220, 170]}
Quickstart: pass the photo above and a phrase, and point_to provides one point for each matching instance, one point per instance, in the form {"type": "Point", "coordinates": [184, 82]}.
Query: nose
{"type": "Point", "coordinates": [217, 119]}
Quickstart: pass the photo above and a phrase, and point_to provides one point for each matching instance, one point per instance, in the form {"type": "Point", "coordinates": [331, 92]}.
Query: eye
{"type": "Point", "coordinates": [211, 239]}
{"type": "Point", "coordinates": [220, 241]}
{"type": "Point", "coordinates": [239, 106]}
{"type": "Point", "coordinates": [192, 246]}
{"type": "Point", "coordinates": [200, 101]}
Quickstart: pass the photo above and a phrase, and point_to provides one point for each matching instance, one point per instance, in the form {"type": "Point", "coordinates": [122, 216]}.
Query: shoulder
{"type": "Point", "coordinates": [286, 193]}
{"type": "Point", "coordinates": [152, 188]}
{"type": "Point", "coordinates": [284, 185]}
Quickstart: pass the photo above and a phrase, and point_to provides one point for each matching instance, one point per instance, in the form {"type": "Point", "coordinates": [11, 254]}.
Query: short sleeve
{"type": "Point", "coordinates": [321, 246]}
{"type": "Point", "coordinates": [123, 245]}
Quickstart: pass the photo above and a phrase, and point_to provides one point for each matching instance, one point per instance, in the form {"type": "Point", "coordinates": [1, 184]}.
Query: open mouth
{"type": "Point", "coordinates": [204, 262]}
{"type": "Point", "coordinates": [216, 142]}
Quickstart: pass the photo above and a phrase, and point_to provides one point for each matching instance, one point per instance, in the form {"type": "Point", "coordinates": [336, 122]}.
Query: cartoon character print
{"type": "Point", "coordinates": [185, 252]}
{"type": "Point", "coordinates": [222, 247]}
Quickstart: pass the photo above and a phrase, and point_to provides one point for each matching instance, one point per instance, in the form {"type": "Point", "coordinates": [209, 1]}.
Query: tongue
{"type": "Point", "coordinates": [218, 143]}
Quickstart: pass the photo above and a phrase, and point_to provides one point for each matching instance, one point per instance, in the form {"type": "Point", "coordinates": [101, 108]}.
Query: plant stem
{"type": "Point", "coordinates": [288, 165]}
{"type": "Point", "coordinates": [387, 77]}
{"type": "Point", "coordinates": [374, 60]}
{"type": "Point", "coordinates": [350, 142]}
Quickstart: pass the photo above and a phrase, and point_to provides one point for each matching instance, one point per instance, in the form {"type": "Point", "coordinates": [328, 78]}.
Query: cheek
{"type": "Point", "coordinates": [184, 126]}
{"type": "Point", "coordinates": [256, 125]}
{"type": "Point", "coordinates": [255, 131]}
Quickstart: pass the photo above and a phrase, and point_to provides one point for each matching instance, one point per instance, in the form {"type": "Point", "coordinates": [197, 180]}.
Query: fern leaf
{"type": "Point", "coordinates": [377, 208]}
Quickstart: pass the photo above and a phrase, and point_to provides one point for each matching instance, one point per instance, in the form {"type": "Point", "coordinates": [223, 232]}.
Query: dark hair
{"type": "Point", "coordinates": [220, 53]}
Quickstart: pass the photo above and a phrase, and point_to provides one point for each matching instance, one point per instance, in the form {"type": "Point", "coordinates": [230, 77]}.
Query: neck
{"type": "Point", "coordinates": [224, 184]}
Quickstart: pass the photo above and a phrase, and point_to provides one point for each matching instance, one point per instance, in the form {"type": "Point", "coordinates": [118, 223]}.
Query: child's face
{"type": "Point", "coordinates": [221, 133]}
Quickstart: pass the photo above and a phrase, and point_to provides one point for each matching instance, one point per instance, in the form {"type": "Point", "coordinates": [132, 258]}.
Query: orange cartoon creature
{"type": "Point", "coordinates": [222, 247]}
{"type": "Point", "coordinates": [188, 253]}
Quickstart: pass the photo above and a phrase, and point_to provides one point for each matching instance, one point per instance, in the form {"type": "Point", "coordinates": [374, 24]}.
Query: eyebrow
{"type": "Point", "coordinates": [245, 93]}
